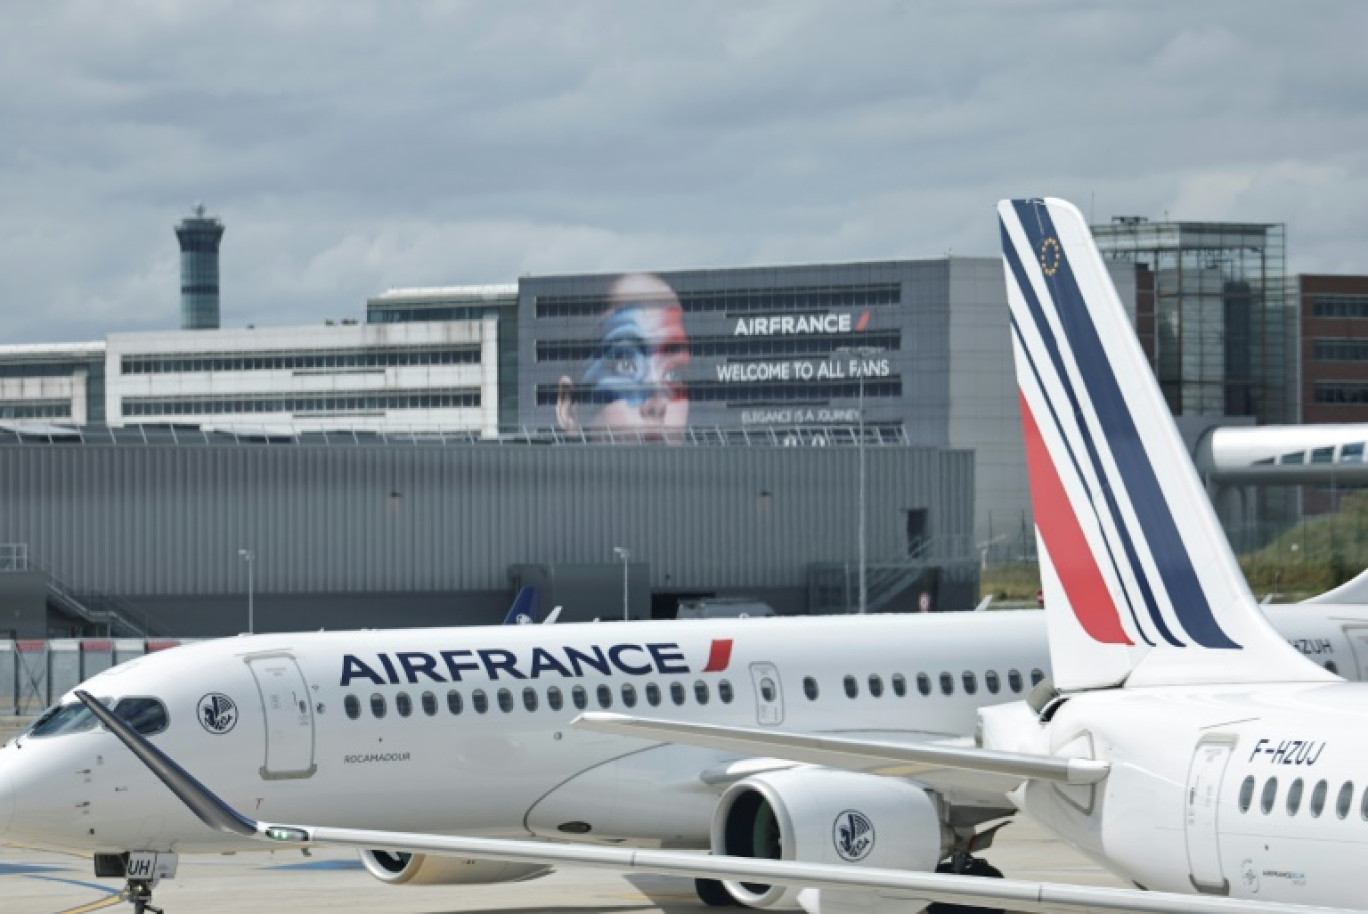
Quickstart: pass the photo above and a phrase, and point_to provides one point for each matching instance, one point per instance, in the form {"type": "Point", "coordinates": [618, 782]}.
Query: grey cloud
{"type": "Point", "coordinates": [351, 147]}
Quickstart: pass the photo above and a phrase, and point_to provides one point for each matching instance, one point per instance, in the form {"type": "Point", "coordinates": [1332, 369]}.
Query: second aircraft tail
{"type": "Point", "coordinates": [1139, 582]}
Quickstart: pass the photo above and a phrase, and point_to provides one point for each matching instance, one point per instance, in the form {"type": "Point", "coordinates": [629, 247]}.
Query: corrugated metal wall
{"type": "Point", "coordinates": [170, 520]}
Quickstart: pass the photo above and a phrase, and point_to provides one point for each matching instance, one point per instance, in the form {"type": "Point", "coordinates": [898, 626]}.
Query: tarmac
{"type": "Point", "coordinates": [332, 881]}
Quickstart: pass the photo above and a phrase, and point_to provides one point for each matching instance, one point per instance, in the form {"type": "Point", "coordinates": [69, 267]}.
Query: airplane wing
{"type": "Point", "coordinates": [909, 886]}
{"type": "Point", "coordinates": [892, 759]}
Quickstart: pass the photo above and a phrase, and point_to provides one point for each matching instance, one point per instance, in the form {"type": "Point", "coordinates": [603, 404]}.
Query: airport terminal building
{"type": "Point", "coordinates": [414, 463]}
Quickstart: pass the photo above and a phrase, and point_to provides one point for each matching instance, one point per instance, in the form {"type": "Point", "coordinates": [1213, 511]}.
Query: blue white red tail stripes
{"type": "Point", "coordinates": [1133, 561]}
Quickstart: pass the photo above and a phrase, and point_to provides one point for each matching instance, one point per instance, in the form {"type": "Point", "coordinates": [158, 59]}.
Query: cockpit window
{"type": "Point", "coordinates": [145, 715]}
{"type": "Point", "coordinates": [59, 719]}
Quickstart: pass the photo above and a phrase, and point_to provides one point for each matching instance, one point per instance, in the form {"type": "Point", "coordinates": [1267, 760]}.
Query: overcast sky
{"type": "Point", "coordinates": [351, 147]}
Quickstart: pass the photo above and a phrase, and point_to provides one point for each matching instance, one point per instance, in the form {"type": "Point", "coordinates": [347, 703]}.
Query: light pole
{"type": "Point", "coordinates": [622, 555]}
{"type": "Point", "coordinates": [863, 353]}
{"type": "Point", "coordinates": [246, 556]}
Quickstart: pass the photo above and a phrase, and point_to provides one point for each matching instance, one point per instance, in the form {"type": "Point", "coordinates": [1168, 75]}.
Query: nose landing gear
{"type": "Point", "coordinates": [138, 893]}
{"type": "Point", "coordinates": [143, 870]}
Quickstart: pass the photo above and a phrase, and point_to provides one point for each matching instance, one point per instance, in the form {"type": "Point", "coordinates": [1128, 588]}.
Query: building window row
{"type": "Point", "coordinates": [1341, 392]}
{"type": "Point", "coordinates": [342, 359]}
{"type": "Point", "coordinates": [798, 298]}
{"type": "Point", "coordinates": [333, 403]}
{"type": "Point", "coordinates": [716, 392]}
{"type": "Point", "coordinates": [1293, 799]}
{"type": "Point", "coordinates": [731, 346]}
{"type": "Point", "coordinates": [428, 314]}
{"type": "Point", "coordinates": [553, 698]}
{"type": "Point", "coordinates": [1339, 306]}
{"type": "Point", "coordinates": [1348, 350]}
{"type": "Point", "coordinates": [35, 409]}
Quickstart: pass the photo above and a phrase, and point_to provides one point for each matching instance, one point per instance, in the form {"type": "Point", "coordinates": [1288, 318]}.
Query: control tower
{"type": "Point", "coordinates": [199, 237]}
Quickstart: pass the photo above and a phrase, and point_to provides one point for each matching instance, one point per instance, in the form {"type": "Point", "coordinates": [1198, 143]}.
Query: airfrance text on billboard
{"type": "Point", "coordinates": [798, 323]}
{"type": "Point", "coordinates": [496, 663]}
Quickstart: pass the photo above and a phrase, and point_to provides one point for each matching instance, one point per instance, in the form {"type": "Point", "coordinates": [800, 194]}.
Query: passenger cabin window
{"type": "Point", "coordinates": [580, 697]}
{"type": "Point", "coordinates": [701, 692]}
{"type": "Point", "coordinates": [429, 704]}
{"type": "Point", "coordinates": [852, 687]}
{"type": "Point", "coordinates": [454, 703]}
{"type": "Point", "coordinates": [629, 695]}
{"type": "Point", "coordinates": [991, 680]}
{"type": "Point", "coordinates": [810, 688]}
{"type": "Point", "coordinates": [554, 699]}
{"type": "Point", "coordinates": [652, 694]}
{"type": "Point", "coordinates": [1344, 800]}
{"type": "Point", "coordinates": [1014, 680]}
{"type": "Point", "coordinates": [1037, 677]}
{"type": "Point", "coordinates": [899, 685]}
{"type": "Point", "coordinates": [924, 683]}
{"type": "Point", "coordinates": [1246, 793]}
{"type": "Point", "coordinates": [1318, 798]}
{"type": "Point", "coordinates": [479, 701]}
{"type": "Point", "coordinates": [1294, 795]}
{"type": "Point", "coordinates": [1332, 667]}
{"type": "Point", "coordinates": [530, 698]}
{"type": "Point", "coordinates": [1269, 796]}
{"type": "Point", "coordinates": [505, 700]}
{"type": "Point", "coordinates": [875, 685]}
{"type": "Point", "coordinates": [403, 704]}
{"type": "Point", "coordinates": [377, 705]}
{"type": "Point", "coordinates": [605, 697]}
{"type": "Point", "coordinates": [725, 694]}
{"type": "Point", "coordinates": [352, 706]}
{"type": "Point", "coordinates": [677, 692]}
{"type": "Point", "coordinates": [947, 683]}
{"type": "Point", "coordinates": [145, 715]}
{"type": "Point", "coordinates": [970, 683]}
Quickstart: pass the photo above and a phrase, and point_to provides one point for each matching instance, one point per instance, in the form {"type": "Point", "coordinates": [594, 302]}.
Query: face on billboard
{"type": "Point", "coordinates": [635, 382]}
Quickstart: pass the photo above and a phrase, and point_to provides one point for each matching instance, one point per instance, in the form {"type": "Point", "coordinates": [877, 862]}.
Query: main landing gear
{"type": "Point", "coordinates": [965, 864]}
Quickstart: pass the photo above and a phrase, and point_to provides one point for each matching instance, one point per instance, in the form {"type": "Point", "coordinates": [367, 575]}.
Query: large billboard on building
{"type": "Point", "coordinates": [648, 355]}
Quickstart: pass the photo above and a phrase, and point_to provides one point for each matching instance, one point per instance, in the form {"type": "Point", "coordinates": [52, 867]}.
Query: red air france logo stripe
{"type": "Point", "coordinates": [720, 656]}
{"type": "Point", "coordinates": [863, 322]}
{"type": "Point", "coordinates": [1066, 542]}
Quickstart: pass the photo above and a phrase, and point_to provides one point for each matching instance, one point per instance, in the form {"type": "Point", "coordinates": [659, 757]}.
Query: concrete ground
{"type": "Point", "coordinates": [332, 881]}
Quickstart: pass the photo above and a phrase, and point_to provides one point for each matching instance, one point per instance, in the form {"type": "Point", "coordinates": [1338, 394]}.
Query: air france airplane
{"type": "Point", "coordinates": [817, 758]}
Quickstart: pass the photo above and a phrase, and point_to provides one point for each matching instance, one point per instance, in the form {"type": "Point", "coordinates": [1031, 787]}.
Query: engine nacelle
{"type": "Point", "coordinates": [396, 868]}
{"type": "Point", "coordinates": [818, 815]}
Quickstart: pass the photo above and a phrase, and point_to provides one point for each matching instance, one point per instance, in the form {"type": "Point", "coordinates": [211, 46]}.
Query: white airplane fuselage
{"type": "Point", "coordinates": [294, 753]}
{"type": "Point", "coordinates": [1255, 792]}
{"type": "Point", "coordinates": [284, 746]}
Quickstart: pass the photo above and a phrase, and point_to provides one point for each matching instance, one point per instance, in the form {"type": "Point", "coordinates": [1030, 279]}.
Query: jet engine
{"type": "Point", "coordinates": [817, 815]}
{"type": "Point", "coordinates": [397, 868]}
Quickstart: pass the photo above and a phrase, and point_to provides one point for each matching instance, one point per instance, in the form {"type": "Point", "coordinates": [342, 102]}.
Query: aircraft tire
{"type": "Point", "coordinates": [975, 866]}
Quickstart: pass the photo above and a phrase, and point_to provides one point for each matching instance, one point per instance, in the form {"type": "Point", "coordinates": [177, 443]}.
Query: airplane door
{"type": "Point", "coordinates": [769, 697]}
{"type": "Point", "coordinates": [1358, 641]}
{"type": "Point", "coordinates": [288, 716]}
{"type": "Point", "coordinates": [1202, 806]}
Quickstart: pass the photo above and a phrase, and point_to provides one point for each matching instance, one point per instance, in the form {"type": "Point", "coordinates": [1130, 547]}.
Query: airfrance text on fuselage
{"type": "Point", "coordinates": [496, 663]}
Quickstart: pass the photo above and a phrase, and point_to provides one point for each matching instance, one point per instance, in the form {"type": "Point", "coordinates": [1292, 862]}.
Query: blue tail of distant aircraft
{"type": "Point", "coordinates": [524, 609]}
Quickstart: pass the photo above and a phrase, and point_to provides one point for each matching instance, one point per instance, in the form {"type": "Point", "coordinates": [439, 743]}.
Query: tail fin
{"type": "Point", "coordinates": [1139, 581]}
{"type": "Point", "coordinates": [524, 608]}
